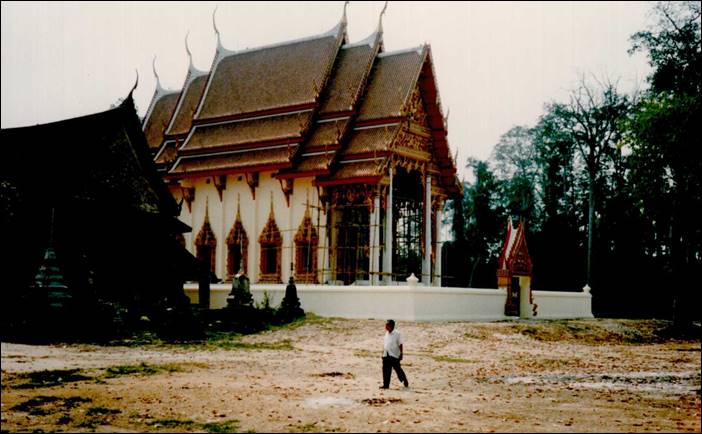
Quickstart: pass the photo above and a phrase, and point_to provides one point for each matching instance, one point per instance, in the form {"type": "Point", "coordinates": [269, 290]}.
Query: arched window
{"type": "Point", "coordinates": [237, 248]}
{"type": "Point", "coordinates": [306, 241]}
{"type": "Point", "coordinates": [206, 244]}
{"type": "Point", "coordinates": [271, 246]}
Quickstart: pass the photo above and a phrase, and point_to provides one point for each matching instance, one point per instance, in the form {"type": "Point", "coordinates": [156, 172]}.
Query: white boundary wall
{"type": "Point", "coordinates": [407, 303]}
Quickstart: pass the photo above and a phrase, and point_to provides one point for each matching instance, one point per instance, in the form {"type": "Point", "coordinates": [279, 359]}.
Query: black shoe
{"type": "Point", "coordinates": [406, 383]}
{"type": "Point", "coordinates": [384, 387]}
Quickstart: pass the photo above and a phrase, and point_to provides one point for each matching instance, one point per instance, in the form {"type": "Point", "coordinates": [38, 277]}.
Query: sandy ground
{"type": "Point", "coordinates": [574, 376]}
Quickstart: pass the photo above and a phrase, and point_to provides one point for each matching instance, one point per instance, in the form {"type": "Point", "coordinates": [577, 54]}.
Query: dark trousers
{"type": "Point", "coordinates": [390, 363]}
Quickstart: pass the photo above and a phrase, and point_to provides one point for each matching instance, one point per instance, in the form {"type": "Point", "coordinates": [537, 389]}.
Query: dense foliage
{"type": "Point", "coordinates": [607, 183]}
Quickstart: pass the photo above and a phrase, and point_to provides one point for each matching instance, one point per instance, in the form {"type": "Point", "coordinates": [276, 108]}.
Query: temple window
{"type": "Point", "coordinates": [206, 244]}
{"type": "Point", "coordinates": [237, 248]}
{"type": "Point", "coordinates": [271, 246]}
{"type": "Point", "coordinates": [306, 241]}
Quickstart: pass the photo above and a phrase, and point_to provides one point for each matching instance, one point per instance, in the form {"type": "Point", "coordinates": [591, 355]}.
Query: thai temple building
{"type": "Point", "coordinates": [321, 159]}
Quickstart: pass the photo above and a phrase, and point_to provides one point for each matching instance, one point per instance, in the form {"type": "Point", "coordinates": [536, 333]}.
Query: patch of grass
{"type": "Point", "coordinates": [232, 343]}
{"type": "Point", "coordinates": [365, 353]}
{"type": "Point", "coordinates": [308, 319]}
{"type": "Point", "coordinates": [346, 375]}
{"type": "Point", "coordinates": [32, 404]}
{"type": "Point", "coordinates": [378, 402]}
{"type": "Point", "coordinates": [98, 411]}
{"type": "Point", "coordinates": [43, 405]}
{"type": "Point", "coordinates": [451, 359]}
{"type": "Point", "coordinates": [171, 423]}
{"type": "Point", "coordinates": [472, 335]}
{"type": "Point", "coordinates": [593, 331]}
{"type": "Point", "coordinates": [219, 427]}
{"type": "Point", "coordinates": [64, 420]}
{"type": "Point", "coordinates": [141, 369]}
{"type": "Point", "coordinates": [50, 378]}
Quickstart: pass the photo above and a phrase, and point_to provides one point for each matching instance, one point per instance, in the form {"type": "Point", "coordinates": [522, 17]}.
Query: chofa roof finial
{"type": "Point", "coordinates": [380, 20]}
{"type": "Point", "coordinates": [214, 24]}
{"type": "Point", "coordinates": [343, 17]}
{"type": "Point", "coordinates": [158, 80]}
{"type": "Point", "coordinates": [187, 49]}
{"type": "Point", "coordinates": [136, 83]}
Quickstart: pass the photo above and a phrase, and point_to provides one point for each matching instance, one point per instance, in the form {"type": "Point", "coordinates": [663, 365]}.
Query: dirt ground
{"type": "Point", "coordinates": [527, 376]}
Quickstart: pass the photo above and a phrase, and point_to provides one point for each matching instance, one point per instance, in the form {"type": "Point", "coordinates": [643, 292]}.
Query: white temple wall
{"type": "Point", "coordinates": [408, 304]}
{"type": "Point", "coordinates": [254, 215]}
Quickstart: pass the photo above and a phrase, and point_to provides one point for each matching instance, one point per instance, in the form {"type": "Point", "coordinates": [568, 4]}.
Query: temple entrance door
{"type": "Point", "coordinates": [352, 244]}
{"type": "Point", "coordinates": [512, 306]}
{"type": "Point", "coordinates": [408, 224]}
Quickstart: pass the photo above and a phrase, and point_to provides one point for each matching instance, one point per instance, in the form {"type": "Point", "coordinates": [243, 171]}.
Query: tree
{"type": "Point", "coordinates": [673, 46]}
{"type": "Point", "coordinates": [484, 223]}
{"type": "Point", "coordinates": [592, 121]}
{"type": "Point", "coordinates": [663, 136]}
{"type": "Point", "coordinates": [515, 165]}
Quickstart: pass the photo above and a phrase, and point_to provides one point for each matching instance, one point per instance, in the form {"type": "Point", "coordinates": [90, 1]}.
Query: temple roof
{"type": "Point", "coordinates": [101, 159]}
{"type": "Point", "coordinates": [393, 78]}
{"type": "Point", "coordinates": [242, 161]}
{"type": "Point", "coordinates": [182, 118]}
{"type": "Point", "coordinates": [252, 81]}
{"type": "Point", "coordinates": [237, 133]}
{"type": "Point", "coordinates": [156, 121]}
{"type": "Point", "coordinates": [353, 66]}
{"type": "Point", "coordinates": [333, 105]}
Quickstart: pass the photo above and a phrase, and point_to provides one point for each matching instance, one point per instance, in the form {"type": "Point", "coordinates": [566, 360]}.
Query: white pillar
{"type": "Point", "coordinates": [254, 247]}
{"type": "Point", "coordinates": [437, 264]}
{"type": "Point", "coordinates": [328, 238]}
{"type": "Point", "coordinates": [387, 253]}
{"type": "Point", "coordinates": [426, 263]}
{"type": "Point", "coordinates": [223, 239]}
{"type": "Point", "coordinates": [288, 253]}
{"type": "Point", "coordinates": [374, 266]}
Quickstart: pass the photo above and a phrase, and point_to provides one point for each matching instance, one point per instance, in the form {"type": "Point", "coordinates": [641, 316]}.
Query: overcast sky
{"type": "Point", "coordinates": [496, 63]}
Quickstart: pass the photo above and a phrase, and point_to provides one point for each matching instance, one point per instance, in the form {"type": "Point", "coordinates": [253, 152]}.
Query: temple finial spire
{"type": "Point", "coordinates": [136, 83]}
{"type": "Point", "coordinates": [344, 19]}
{"type": "Point", "coordinates": [207, 209]}
{"type": "Point", "coordinates": [380, 20]}
{"type": "Point", "coordinates": [158, 80]}
{"type": "Point", "coordinates": [214, 24]}
{"type": "Point", "coordinates": [187, 49]}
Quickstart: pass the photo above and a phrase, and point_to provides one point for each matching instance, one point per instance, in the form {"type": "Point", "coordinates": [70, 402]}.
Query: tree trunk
{"type": "Point", "coordinates": [590, 222]}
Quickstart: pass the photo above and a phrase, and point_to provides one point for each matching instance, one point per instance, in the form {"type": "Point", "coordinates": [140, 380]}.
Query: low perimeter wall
{"type": "Point", "coordinates": [408, 303]}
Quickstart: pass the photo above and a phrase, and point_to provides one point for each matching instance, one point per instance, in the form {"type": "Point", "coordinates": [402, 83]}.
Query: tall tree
{"type": "Point", "coordinates": [663, 135]}
{"type": "Point", "coordinates": [592, 120]}
{"type": "Point", "coordinates": [514, 157]}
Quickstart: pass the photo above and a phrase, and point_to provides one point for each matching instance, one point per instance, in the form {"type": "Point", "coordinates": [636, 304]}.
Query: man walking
{"type": "Point", "coordinates": [392, 354]}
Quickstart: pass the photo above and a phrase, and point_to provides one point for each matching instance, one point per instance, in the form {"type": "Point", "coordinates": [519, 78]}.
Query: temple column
{"type": "Point", "coordinates": [437, 264]}
{"type": "Point", "coordinates": [387, 252]}
{"type": "Point", "coordinates": [426, 263]}
{"type": "Point", "coordinates": [374, 237]}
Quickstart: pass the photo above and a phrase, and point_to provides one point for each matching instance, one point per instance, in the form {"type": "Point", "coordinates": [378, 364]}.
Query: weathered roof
{"type": "Point", "coordinates": [271, 77]}
{"type": "Point", "coordinates": [351, 71]}
{"type": "Point", "coordinates": [370, 140]}
{"type": "Point", "coordinates": [341, 97]}
{"type": "Point", "coordinates": [182, 119]}
{"type": "Point", "coordinates": [210, 137]}
{"type": "Point", "coordinates": [249, 160]}
{"type": "Point", "coordinates": [393, 77]}
{"type": "Point", "coordinates": [328, 133]}
{"type": "Point", "coordinates": [358, 171]}
{"type": "Point", "coordinates": [157, 119]}
{"type": "Point", "coordinates": [101, 158]}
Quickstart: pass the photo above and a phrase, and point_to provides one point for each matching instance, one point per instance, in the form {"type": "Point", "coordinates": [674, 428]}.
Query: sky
{"type": "Point", "coordinates": [497, 63]}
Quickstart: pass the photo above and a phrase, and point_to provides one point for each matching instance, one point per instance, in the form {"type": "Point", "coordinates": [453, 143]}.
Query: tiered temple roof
{"type": "Point", "coordinates": [317, 106]}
